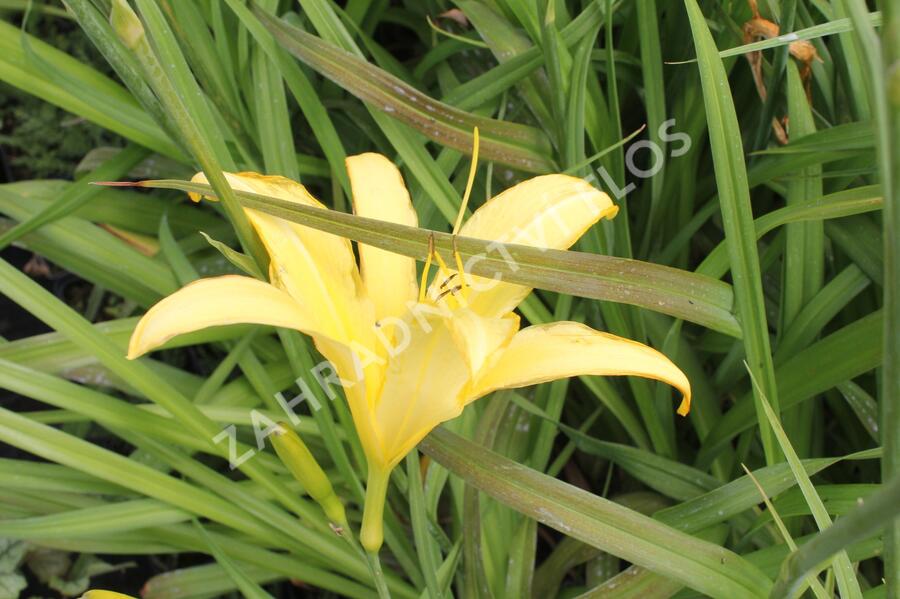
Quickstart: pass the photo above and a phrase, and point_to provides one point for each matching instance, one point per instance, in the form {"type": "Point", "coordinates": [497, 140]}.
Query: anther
{"type": "Point", "coordinates": [448, 279]}
{"type": "Point", "coordinates": [452, 290]}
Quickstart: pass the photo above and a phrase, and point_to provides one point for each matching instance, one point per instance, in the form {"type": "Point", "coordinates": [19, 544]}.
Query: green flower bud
{"type": "Point", "coordinates": [298, 459]}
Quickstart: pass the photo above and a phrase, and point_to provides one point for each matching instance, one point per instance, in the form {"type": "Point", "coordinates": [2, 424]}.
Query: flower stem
{"type": "Point", "coordinates": [378, 575]}
{"type": "Point", "coordinates": [372, 561]}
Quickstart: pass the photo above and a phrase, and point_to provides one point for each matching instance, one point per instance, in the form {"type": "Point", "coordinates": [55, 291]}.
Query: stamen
{"type": "Point", "coordinates": [448, 279]}
{"type": "Point", "coordinates": [468, 192]}
{"type": "Point", "coordinates": [459, 267]}
{"type": "Point", "coordinates": [422, 285]}
{"type": "Point", "coordinates": [441, 263]}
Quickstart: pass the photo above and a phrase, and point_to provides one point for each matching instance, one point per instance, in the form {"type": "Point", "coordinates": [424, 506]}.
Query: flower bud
{"type": "Point", "coordinates": [98, 594]}
{"type": "Point", "coordinates": [298, 459]}
{"type": "Point", "coordinates": [126, 24]}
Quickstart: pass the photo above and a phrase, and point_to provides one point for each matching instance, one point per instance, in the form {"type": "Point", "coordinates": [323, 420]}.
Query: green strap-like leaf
{"type": "Point", "coordinates": [517, 145]}
{"type": "Point", "coordinates": [630, 535]}
{"type": "Point", "coordinates": [737, 216]}
{"type": "Point", "coordinates": [668, 290]}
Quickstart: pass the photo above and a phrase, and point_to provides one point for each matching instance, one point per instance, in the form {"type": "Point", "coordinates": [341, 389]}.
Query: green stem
{"type": "Point", "coordinates": [378, 575]}
{"type": "Point", "coordinates": [891, 182]}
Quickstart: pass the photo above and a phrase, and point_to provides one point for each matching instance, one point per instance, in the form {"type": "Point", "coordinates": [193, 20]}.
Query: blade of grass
{"type": "Point", "coordinates": [591, 519]}
{"type": "Point", "coordinates": [666, 476]}
{"type": "Point", "coordinates": [518, 59]}
{"type": "Point", "coordinates": [843, 569]}
{"type": "Point", "coordinates": [737, 217]}
{"type": "Point", "coordinates": [814, 370]}
{"type": "Point", "coordinates": [408, 144]}
{"type": "Point", "coordinates": [838, 499]}
{"type": "Point", "coordinates": [207, 580]}
{"type": "Point", "coordinates": [803, 273]}
{"type": "Point", "coordinates": [508, 143]}
{"type": "Point", "coordinates": [813, 582]}
{"type": "Point", "coordinates": [881, 510]}
{"type": "Point", "coordinates": [79, 193]}
{"type": "Point", "coordinates": [93, 253]}
{"type": "Point", "coordinates": [426, 548]}
{"type": "Point", "coordinates": [126, 117]}
{"type": "Point", "coordinates": [881, 74]}
{"type": "Point", "coordinates": [122, 516]}
{"type": "Point", "coordinates": [247, 586]}
{"type": "Point", "coordinates": [655, 106]}
{"type": "Point", "coordinates": [838, 205]}
{"type": "Point", "coordinates": [303, 92]}
{"type": "Point", "coordinates": [739, 495]}
{"type": "Point", "coordinates": [183, 106]}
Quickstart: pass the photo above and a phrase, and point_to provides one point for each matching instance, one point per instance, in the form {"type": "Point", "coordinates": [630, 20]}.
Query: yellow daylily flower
{"type": "Point", "coordinates": [410, 357]}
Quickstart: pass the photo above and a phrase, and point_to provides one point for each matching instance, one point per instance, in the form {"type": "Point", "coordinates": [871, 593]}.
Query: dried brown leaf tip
{"type": "Point", "coordinates": [456, 15]}
{"type": "Point", "coordinates": [759, 28]}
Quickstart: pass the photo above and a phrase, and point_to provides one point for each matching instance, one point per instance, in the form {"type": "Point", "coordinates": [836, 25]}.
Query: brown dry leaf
{"type": "Point", "coordinates": [456, 15]}
{"type": "Point", "coordinates": [37, 267]}
{"type": "Point", "coordinates": [759, 28]}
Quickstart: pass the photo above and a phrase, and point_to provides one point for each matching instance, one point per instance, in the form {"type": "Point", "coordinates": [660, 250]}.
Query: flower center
{"type": "Point", "coordinates": [457, 292]}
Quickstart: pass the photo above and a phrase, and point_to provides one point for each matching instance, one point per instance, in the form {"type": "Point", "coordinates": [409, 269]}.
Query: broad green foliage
{"type": "Point", "coordinates": [765, 272]}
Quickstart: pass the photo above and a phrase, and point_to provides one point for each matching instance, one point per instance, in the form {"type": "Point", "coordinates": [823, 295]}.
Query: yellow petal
{"type": "Point", "coordinates": [318, 269]}
{"type": "Point", "coordinates": [550, 211]}
{"type": "Point", "coordinates": [213, 302]}
{"type": "Point", "coordinates": [478, 338]}
{"type": "Point", "coordinates": [379, 192]}
{"type": "Point", "coordinates": [562, 349]}
{"type": "Point", "coordinates": [422, 387]}
{"type": "Point", "coordinates": [234, 299]}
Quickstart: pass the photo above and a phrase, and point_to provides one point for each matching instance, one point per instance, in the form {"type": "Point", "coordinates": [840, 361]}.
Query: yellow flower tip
{"type": "Point", "coordinates": [137, 344]}
{"type": "Point", "coordinates": [101, 594]}
{"type": "Point", "coordinates": [198, 178]}
{"type": "Point", "coordinates": [134, 346]}
{"type": "Point", "coordinates": [685, 407]}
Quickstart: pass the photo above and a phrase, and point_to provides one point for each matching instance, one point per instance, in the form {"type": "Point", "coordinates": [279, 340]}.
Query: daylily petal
{"type": "Point", "coordinates": [422, 386]}
{"type": "Point", "coordinates": [478, 337]}
{"type": "Point", "coordinates": [360, 379]}
{"type": "Point", "coordinates": [317, 269]}
{"type": "Point", "coordinates": [233, 299]}
{"type": "Point", "coordinates": [562, 349]}
{"type": "Point", "coordinates": [230, 299]}
{"type": "Point", "coordinates": [379, 192]}
{"type": "Point", "coordinates": [319, 272]}
{"type": "Point", "coordinates": [550, 211]}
